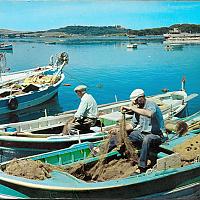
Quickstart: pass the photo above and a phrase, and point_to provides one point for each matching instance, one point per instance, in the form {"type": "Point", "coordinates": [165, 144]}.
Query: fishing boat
{"type": "Point", "coordinates": [43, 134]}
{"type": "Point", "coordinates": [7, 77]}
{"type": "Point", "coordinates": [50, 42]}
{"type": "Point", "coordinates": [33, 90]}
{"type": "Point", "coordinates": [168, 175]}
{"type": "Point", "coordinates": [6, 46]}
{"type": "Point", "coordinates": [170, 103]}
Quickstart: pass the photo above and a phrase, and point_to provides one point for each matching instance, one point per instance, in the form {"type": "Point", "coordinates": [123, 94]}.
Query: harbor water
{"type": "Point", "coordinates": [109, 69]}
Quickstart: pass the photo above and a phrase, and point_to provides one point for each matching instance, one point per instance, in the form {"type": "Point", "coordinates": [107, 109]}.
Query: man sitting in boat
{"type": "Point", "coordinates": [147, 125]}
{"type": "Point", "coordinates": [86, 114]}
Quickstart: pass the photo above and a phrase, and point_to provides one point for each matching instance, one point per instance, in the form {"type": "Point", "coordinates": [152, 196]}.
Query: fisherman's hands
{"type": "Point", "coordinates": [124, 109]}
{"type": "Point", "coordinates": [133, 107]}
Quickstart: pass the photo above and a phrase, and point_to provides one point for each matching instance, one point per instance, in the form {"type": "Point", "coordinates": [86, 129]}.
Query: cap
{"type": "Point", "coordinates": [80, 88]}
{"type": "Point", "coordinates": [136, 93]}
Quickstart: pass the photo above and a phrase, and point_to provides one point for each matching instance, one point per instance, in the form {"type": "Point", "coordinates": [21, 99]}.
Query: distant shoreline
{"type": "Point", "coordinates": [98, 31]}
{"type": "Point", "coordinates": [86, 39]}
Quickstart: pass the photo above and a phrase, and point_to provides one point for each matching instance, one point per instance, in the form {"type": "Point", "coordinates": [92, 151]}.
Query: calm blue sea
{"type": "Point", "coordinates": [110, 70]}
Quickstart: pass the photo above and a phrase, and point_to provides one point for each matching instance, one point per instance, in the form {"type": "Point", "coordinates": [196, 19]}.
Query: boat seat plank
{"type": "Point", "coordinates": [112, 118]}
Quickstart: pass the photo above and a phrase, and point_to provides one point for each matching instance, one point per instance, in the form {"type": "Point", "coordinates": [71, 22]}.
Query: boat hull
{"type": "Point", "coordinates": [6, 47]}
{"type": "Point", "coordinates": [11, 149]}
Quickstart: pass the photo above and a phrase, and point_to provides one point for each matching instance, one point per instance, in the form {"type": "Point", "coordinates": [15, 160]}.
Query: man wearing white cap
{"type": "Point", "coordinates": [150, 124]}
{"type": "Point", "coordinates": [86, 114]}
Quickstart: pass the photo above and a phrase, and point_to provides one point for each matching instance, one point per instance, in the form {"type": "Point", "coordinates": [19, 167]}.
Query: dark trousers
{"type": "Point", "coordinates": [83, 124]}
{"type": "Point", "coordinates": [145, 140]}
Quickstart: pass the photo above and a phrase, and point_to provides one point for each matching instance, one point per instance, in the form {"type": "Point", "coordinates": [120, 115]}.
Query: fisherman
{"type": "Point", "coordinates": [147, 125]}
{"type": "Point", "coordinates": [86, 114]}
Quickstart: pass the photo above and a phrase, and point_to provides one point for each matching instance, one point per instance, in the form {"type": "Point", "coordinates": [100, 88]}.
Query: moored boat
{"type": "Point", "coordinates": [32, 90]}
{"type": "Point", "coordinates": [173, 46]}
{"type": "Point", "coordinates": [7, 77]}
{"type": "Point", "coordinates": [170, 103]}
{"type": "Point", "coordinates": [134, 46]}
{"type": "Point", "coordinates": [50, 42]}
{"type": "Point", "coordinates": [42, 135]}
{"type": "Point", "coordinates": [6, 46]}
{"type": "Point", "coordinates": [175, 36]}
{"type": "Point", "coordinates": [169, 174]}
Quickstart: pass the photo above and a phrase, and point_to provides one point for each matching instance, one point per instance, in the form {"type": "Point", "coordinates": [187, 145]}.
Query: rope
{"type": "Point", "coordinates": [99, 86]}
{"type": "Point", "coordinates": [151, 170]}
{"type": "Point", "coordinates": [73, 77]}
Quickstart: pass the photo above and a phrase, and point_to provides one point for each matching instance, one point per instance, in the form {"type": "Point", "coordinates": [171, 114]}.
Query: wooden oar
{"type": "Point", "coordinates": [26, 134]}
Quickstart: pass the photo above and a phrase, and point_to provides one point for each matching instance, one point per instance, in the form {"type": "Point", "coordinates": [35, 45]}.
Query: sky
{"type": "Point", "coordinates": [34, 15]}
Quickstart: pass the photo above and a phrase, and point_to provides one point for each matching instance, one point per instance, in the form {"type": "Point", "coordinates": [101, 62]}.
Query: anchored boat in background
{"type": "Point", "coordinates": [31, 88]}
{"type": "Point", "coordinates": [4, 46]}
{"type": "Point", "coordinates": [178, 37]}
{"type": "Point", "coordinates": [133, 46]}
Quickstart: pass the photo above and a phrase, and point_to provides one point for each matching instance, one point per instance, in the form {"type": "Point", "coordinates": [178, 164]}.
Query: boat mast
{"type": "Point", "coordinates": [2, 64]}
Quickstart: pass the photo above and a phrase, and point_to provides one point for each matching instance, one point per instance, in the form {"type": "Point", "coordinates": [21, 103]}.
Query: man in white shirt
{"type": "Point", "coordinates": [86, 114]}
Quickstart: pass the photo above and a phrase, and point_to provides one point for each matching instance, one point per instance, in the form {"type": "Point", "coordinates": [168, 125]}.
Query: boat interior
{"type": "Point", "coordinates": [29, 84]}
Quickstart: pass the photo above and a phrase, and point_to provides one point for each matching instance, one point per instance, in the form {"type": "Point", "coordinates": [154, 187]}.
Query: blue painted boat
{"type": "Point", "coordinates": [6, 46]}
{"type": "Point", "coordinates": [31, 91]}
{"type": "Point", "coordinates": [154, 182]}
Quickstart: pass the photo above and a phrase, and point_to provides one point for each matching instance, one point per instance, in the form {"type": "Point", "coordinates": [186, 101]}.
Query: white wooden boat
{"type": "Point", "coordinates": [10, 77]}
{"type": "Point", "coordinates": [171, 104]}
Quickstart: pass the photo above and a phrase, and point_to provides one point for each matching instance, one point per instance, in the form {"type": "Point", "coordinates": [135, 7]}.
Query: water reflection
{"type": "Point", "coordinates": [50, 107]}
{"type": "Point", "coordinates": [6, 51]}
{"type": "Point", "coordinates": [7, 154]}
{"type": "Point", "coordinates": [174, 47]}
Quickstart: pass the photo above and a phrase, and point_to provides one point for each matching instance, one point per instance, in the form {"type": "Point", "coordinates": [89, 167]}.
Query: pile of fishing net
{"type": "Point", "coordinates": [189, 150]}
{"type": "Point", "coordinates": [30, 169]}
{"type": "Point", "coordinates": [109, 168]}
